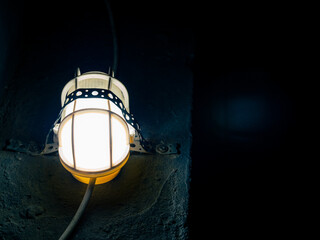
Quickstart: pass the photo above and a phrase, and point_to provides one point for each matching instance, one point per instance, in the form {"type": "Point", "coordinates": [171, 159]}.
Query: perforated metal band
{"type": "Point", "coordinates": [109, 95]}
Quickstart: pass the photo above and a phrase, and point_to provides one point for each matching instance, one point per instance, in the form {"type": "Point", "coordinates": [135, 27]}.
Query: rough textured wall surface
{"type": "Point", "coordinates": [149, 198]}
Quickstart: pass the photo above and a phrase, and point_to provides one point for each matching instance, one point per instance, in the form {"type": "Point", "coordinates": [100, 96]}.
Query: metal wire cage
{"type": "Point", "coordinates": [94, 136]}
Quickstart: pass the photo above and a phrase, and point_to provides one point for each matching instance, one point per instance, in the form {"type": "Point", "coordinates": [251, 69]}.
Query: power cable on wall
{"type": "Point", "coordinates": [66, 234]}
{"type": "Point", "coordinates": [114, 38]}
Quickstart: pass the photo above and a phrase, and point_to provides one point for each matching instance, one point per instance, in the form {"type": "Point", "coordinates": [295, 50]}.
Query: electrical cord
{"type": "Point", "coordinates": [80, 210]}
{"type": "Point", "coordinates": [114, 38]}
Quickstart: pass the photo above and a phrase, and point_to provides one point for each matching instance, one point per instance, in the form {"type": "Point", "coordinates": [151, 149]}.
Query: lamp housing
{"type": "Point", "coordinates": [94, 136]}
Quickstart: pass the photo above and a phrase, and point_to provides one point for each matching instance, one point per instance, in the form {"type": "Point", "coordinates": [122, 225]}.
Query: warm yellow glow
{"type": "Point", "coordinates": [99, 180]}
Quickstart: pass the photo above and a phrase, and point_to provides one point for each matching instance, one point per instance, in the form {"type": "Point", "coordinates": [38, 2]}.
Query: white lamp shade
{"type": "Point", "coordinates": [96, 80]}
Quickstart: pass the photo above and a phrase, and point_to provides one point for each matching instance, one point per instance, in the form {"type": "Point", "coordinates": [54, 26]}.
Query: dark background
{"type": "Point", "coordinates": [244, 123]}
{"type": "Point", "coordinates": [244, 118]}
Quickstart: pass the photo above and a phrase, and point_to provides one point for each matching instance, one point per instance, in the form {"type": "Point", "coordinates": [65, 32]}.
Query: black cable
{"type": "Point", "coordinates": [114, 38]}
{"type": "Point", "coordinates": [80, 210]}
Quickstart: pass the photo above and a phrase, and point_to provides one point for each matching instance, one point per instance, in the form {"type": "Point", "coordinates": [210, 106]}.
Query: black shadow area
{"type": "Point", "coordinates": [243, 126]}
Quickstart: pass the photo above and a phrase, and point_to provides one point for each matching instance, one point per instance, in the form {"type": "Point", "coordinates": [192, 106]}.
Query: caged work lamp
{"type": "Point", "coordinates": [96, 128]}
{"type": "Point", "coordinates": [96, 133]}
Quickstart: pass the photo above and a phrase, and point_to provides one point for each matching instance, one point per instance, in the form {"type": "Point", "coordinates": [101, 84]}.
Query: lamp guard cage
{"type": "Point", "coordinates": [140, 144]}
{"type": "Point", "coordinates": [109, 95]}
{"type": "Point", "coordinates": [73, 169]}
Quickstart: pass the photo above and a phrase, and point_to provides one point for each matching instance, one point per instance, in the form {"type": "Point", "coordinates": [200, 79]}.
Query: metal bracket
{"type": "Point", "coordinates": [136, 147]}
{"type": "Point", "coordinates": [167, 148]}
{"type": "Point", "coordinates": [161, 148]}
{"type": "Point", "coordinates": [31, 148]}
{"type": "Point", "coordinates": [50, 148]}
